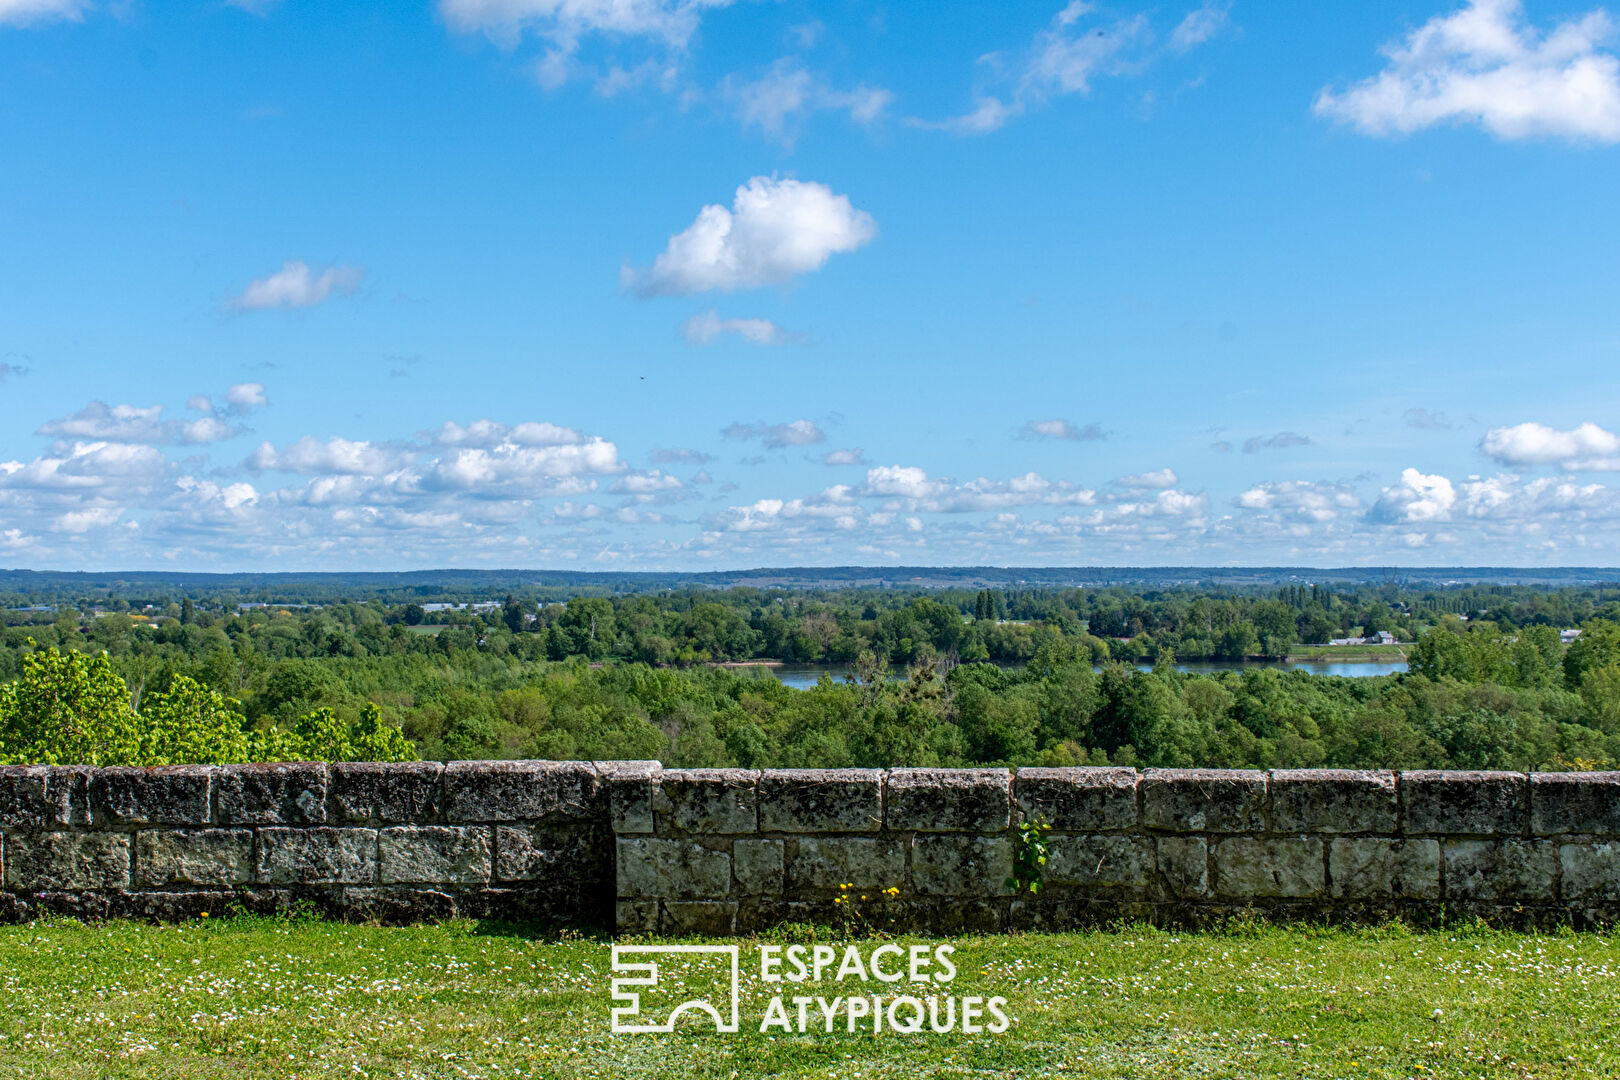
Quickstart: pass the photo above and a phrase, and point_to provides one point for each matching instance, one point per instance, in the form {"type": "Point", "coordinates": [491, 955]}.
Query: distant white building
{"type": "Point", "coordinates": [1568, 636]}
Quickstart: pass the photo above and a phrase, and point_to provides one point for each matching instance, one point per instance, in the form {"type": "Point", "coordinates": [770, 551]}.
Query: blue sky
{"type": "Point", "coordinates": [669, 284]}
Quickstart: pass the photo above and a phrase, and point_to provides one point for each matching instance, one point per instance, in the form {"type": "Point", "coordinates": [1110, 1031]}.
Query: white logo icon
{"type": "Point", "coordinates": [645, 973]}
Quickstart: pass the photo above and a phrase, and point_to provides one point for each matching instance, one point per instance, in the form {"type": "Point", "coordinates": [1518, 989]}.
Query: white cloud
{"type": "Point", "coordinates": [489, 434]}
{"type": "Point", "coordinates": [246, 395]}
{"type": "Point", "coordinates": [26, 12]}
{"type": "Point", "coordinates": [1158, 478]}
{"type": "Point", "coordinates": [779, 100]}
{"type": "Point", "coordinates": [1484, 64]}
{"type": "Point", "coordinates": [646, 483]}
{"type": "Point", "coordinates": [774, 231]}
{"type": "Point", "coordinates": [1061, 429]}
{"type": "Point", "coordinates": [1587, 447]}
{"type": "Point", "coordinates": [938, 495]}
{"type": "Point", "coordinates": [673, 21]}
{"type": "Point", "coordinates": [850, 456]}
{"type": "Point", "coordinates": [310, 456]}
{"type": "Point", "coordinates": [1417, 498]}
{"type": "Point", "coordinates": [297, 285]}
{"type": "Point", "coordinates": [135, 424]}
{"type": "Point", "coordinates": [1199, 26]}
{"type": "Point", "coordinates": [777, 436]}
{"type": "Point", "coordinates": [1301, 500]}
{"type": "Point", "coordinates": [707, 327]}
{"type": "Point", "coordinates": [1064, 58]}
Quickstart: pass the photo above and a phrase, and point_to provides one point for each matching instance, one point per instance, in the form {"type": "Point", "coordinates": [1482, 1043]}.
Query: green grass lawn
{"type": "Point", "coordinates": [261, 998]}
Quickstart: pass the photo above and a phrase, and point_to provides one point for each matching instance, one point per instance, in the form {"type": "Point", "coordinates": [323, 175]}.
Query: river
{"type": "Point", "coordinates": [804, 676]}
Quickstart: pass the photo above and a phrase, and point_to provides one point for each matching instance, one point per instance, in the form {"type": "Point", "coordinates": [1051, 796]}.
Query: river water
{"type": "Point", "coordinates": [804, 676]}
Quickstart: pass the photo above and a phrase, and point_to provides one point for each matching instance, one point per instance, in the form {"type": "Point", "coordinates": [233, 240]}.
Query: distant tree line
{"type": "Point", "coordinates": [946, 678]}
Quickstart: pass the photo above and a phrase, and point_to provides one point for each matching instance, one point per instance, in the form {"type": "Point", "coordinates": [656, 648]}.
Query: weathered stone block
{"type": "Point", "coordinates": [44, 796]}
{"type": "Point", "coordinates": [707, 801]}
{"type": "Point", "coordinates": [541, 791]}
{"type": "Point", "coordinates": [1508, 870]}
{"type": "Point", "coordinates": [37, 862]}
{"type": "Point", "coordinates": [1562, 803]}
{"type": "Point", "coordinates": [821, 800]}
{"type": "Point", "coordinates": [433, 854]}
{"type": "Point", "coordinates": [671, 869]}
{"type": "Point", "coordinates": [630, 786]}
{"type": "Point", "coordinates": [1103, 862]}
{"type": "Point", "coordinates": [1591, 871]}
{"type": "Point", "coordinates": [167, 795]}
{"type": "Point", "coordinates": [276, 794]}
{"type": "Point", "coordinates": [1464, 803]}
{"type": "Point", "coordinates": [1332, 801]}
{"type": "Point", "coordinates": [826, 862]}
{"type": "Point", "coordinates": [1078, 800]}
{"type": "Point", "coordinates": [636, 916]}
{"type": "Point", "coordinates": [1204, 800]}
{"type": "Point", "coordinates": [1183, 864]}
{"type": "Point", "coordinates": [554, 853]}
{"type": "Point", "coordinates": [961, 865]}
{"type": "Point", "coordinates": [385, 793]}
{"type": "Point", "coordinates": [399, 905]}
{"type": "Point", "coordinates": [710, 918]}
{"type": "Point", "coordinates": [1289, 866]}
{"type": "Point", "coordinates": [758, 865]}
{"type": "Point", "coordinates": [1378, 868]}
{"type": "Point", "coordinates": [169, 906]}
{"type": "Point", "coordinates": [948, 800]}
{"type": "Point", "coordinates": [317, 856]}
{"type": "Point", "coordinates": [194, 857]}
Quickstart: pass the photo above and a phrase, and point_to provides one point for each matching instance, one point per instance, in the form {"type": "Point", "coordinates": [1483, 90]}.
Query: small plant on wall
{"type": "Point", "coordinates": [1029, 861]}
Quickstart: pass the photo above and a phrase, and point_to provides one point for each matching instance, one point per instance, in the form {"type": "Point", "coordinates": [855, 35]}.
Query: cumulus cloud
{"type": "Point", "coordinates": [1158, 478]}
{"type": "Point", "coordinates": [1587, 447]}
{"type": "Point", "coordinates": [314, 457]}
{"type": "Point", "coordinates": [777, 436]}
{"type": "Point", "coordinates": [646, 483]}
{"type": "Point", "coordinates": [27, 12]}
{"type": "Point", "coordinates": [1283, 440]}
{"type": "Point", "coordinates": [489, 434]}
{"type": "Point", "coordinates": [919, 491]}
{"type": "Point", "coordinates": [708, 327]}
{"type": "Point", "coordinates": [778, 101]}
{"type": "Point", "coordinates": [1301, 500]}
{"type": "Point", "coordinates": [775, 230]}
{"type": "Point", "coordinates": [852, 456]}
{"type": "Point", "coordinates": [298, 285]}
{"type": "Point", "coordinates": [1062, 429]}
{"type": "Point", "coordinates": [136, 424]}
{"type": "Point", "coordinates": [1417, 498]}
{"type": "Point", "coordinates": [1485, 64]}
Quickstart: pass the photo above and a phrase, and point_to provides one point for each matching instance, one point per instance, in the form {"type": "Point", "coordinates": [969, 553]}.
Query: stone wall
{"type": "Point", "coordinates": [422, 840]}
{"type": "Point", "coordinates": [730, 850]}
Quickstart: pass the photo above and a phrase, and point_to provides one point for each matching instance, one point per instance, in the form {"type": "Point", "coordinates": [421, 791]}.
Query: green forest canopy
{"type": "Point", "coordinates": [1028, 676]}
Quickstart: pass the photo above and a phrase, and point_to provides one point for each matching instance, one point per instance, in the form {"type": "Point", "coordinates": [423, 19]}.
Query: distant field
{"type": "Point", "coordinates": [432, 629]}
{"type": "Point", "coordinates": [259, 998]}
{"type": "Point", "coordinates": [1386, 654]}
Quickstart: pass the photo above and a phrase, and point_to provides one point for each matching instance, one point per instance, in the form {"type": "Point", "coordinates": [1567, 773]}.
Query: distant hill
{"type": "Point", "coordinates": [450, 584]}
